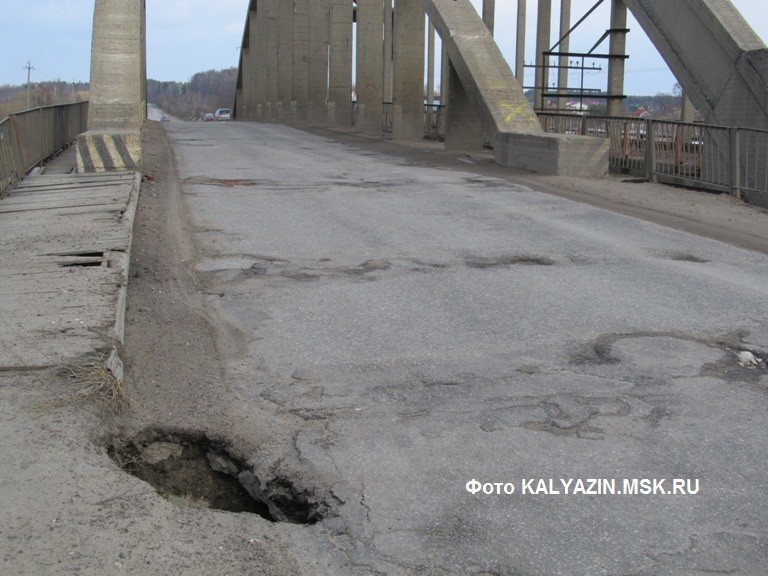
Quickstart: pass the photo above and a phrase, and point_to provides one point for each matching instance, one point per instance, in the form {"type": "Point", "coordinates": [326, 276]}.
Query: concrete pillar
{"type": "Point", "coordinates": [370, 64]}
{"type": "Point", "coordinates": [388, 49]}
{"type": "Point", "coordinates": [300, 57]}
{"type": "Point", "coordinates": [618, 47]}
{"type": "Point", "coordinates": [562, 72]}
{"type": "Point", "coordinates": [430, 64]}
{"type": "Point", "coordinates": [408, 70]}
{"type": "Point", "coordinates": [489, 14]}
{"type": "Point", "coordinates": [285, 58]}
{"type": "Point", "coordinates": [543, 33]}
{"type": "Point", "coordinates": [463, 128]}
{"type": "Point", "coordinates": [243, 91]}
{"type": "Point", "coordinates": [340, 87]}
{"type": "Point", "coordinates": [520, 42]}
{"type": "Point", "coordinates": [261, 59]}
{"type": "Point", "coordinates": [445, 74]}
{"type": "Point", "coordinates": [252, 78]}
{"type": "Point", "coordinates": [273, 30]}
{"type": "Point", "coordinates": [118, 99]}
{"type": "Point", "coordinates": [318, 60]}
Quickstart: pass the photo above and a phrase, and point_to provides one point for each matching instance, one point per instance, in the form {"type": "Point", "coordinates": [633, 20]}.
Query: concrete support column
{"type": "Point", "coordinates": [562, 72]}
{"type": "Point", "coordinates": [261, 58]}
{"type": "Point", "coordinates": [252, 77]}
{"type": "Point", "coordinates": [520, 41]}
{"type": "Point", "coordinates": [285, 59]}
{"type": "Point", "coordinates": [489, 14]}
{"type": "Point", "coordinates": [445, 74]}
{"type": "Point", "coordinates": [463, 128]}
{"type": "Point", "coordinates": [389, 16]}
{"type": "Point", "coordinates": [243, 91]}
{"type": "Point", "coordinates": [118, 99]}
{"type": "Point", "coordinates": [340, 62]}
{"type": "Point", "coordinates": [408, 71]}
{"type": "Point", "coordinates": [370, 64]}
{"type": "Point", "coordinates": [430, 64]}
{"type": "Point", "coordinates": [618, 47]}
{"type": "Point", "coordinates": [273, 30]}
{"type": "Point", "coordinates": [543, 33]}
{"type": "Point", "coordinates": [300, 58]}
{"type": "Point", "coordinates": [319, 12]}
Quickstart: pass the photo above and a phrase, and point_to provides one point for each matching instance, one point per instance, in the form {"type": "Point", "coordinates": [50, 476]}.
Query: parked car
{"type": "Point", "coordinates": [209, 118]}
{"type": "Point", "coordinates": [223, 114]}
{"type": "Point", "coordinates": [165, 119]}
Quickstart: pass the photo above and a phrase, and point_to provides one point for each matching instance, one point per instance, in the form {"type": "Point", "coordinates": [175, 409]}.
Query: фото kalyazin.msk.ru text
{"type": "Point", "coordinates": [588, 487]}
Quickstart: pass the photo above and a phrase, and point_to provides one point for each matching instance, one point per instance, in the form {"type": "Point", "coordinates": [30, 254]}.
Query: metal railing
{"type": "Point", "coordinates": [29, 137]}
{"type": "Point", "coordinates": [703, 156]}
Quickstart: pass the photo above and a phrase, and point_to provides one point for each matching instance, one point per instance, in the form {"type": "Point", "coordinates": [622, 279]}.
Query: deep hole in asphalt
{"type": "Point", "coordinates": [192, 471]}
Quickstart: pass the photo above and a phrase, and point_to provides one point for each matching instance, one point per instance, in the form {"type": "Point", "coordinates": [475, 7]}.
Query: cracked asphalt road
{"type": "Point", "coordinates": [406, 330]}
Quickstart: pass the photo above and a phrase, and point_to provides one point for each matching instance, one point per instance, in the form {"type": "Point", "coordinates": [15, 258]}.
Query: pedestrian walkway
{"type": "Point", "coordinates": [64, 250]}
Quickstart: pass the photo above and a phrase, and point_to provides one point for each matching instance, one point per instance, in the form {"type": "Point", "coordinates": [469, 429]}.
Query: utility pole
{"type": "Point", "coordinates": [29, 69]}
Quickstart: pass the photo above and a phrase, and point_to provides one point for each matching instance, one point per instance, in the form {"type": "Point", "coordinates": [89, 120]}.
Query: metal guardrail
{"type": "Point", "coordinates": [702, 156]}
{"type": "Point", "coordinates": [29, 137]}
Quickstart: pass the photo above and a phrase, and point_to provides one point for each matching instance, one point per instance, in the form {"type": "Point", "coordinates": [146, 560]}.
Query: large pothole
{"type": "Point", "coordinates": [190, 470]}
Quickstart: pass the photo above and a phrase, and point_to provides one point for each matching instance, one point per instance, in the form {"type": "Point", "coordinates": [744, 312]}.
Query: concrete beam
{"type": "Point", "coordinates": [543, 34]}
{"type": "Point", "coordinates": [714, 53]}
{"type": "Point", "coordinates": [285, 58]}
{"type": "Point", "coordinates": [522, 6]}
{"type": "Point", "coordinates": [340, 77]}
{"type": "Point", "coordinates": [618, 47]}
{"type": "Point", "coordinates": [370, 65]}
{"type": "Point", "coordinates": [318, 60]}
{"type": "Point", "coordinates": [516, 134]}
{"type": "Point", "coordinates": [408, 71]}
{"type": "Point", "coordinates": [300, 57]}
{"type": "Point", "coordinates": [261, 59]}
{"type": "Point", "coordinates": [271, 56]}
{"type": "Point", "coordinates": [481, 67]}
{"type": "Point", "coordinates": [252, 67]}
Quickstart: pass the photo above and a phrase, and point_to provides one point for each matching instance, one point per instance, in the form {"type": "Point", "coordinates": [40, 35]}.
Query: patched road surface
{"type": "Point", "coordinates": [478, 378]}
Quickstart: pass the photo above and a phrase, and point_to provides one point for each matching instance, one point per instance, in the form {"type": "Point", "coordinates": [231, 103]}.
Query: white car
{"type": "Point", "coordinates": [223, 114]}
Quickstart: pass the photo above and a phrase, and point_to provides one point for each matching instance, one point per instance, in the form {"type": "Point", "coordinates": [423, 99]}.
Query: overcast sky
{"type": "Point", "coordinates": [188, 36]}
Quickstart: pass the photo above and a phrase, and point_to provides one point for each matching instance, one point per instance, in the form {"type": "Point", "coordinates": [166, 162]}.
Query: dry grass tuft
{"type": "Point", "coordinates": [93, 385]}
{"type": "Point", "coordinates": [96, 385]}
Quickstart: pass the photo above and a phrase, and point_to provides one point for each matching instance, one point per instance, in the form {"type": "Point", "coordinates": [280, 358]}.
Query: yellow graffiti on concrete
{"type": "Point", "coordinates": [514, 111]}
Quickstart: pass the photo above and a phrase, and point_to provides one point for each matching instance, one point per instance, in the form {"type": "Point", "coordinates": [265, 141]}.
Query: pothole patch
{"type": "Point", "coordinates": [511, 260]}
{"type": "Point", "coordinates": [192, 471]}
{"type": "Point", "coordinates": [222, 182]}
{"type": "Point", "coordinates": [682, 257]}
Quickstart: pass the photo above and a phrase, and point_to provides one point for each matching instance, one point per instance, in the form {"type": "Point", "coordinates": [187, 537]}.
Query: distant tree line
{"type": "Point", "coordinates": [13, 99]}
{"type": "Point", "coordinates": [208, 91]}
{"type": "Point", "coordinates": [205, 92]}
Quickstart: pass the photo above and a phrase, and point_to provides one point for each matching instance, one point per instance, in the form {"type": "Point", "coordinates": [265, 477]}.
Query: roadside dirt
{"type": "Point", "coordinates": [187, 432]}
